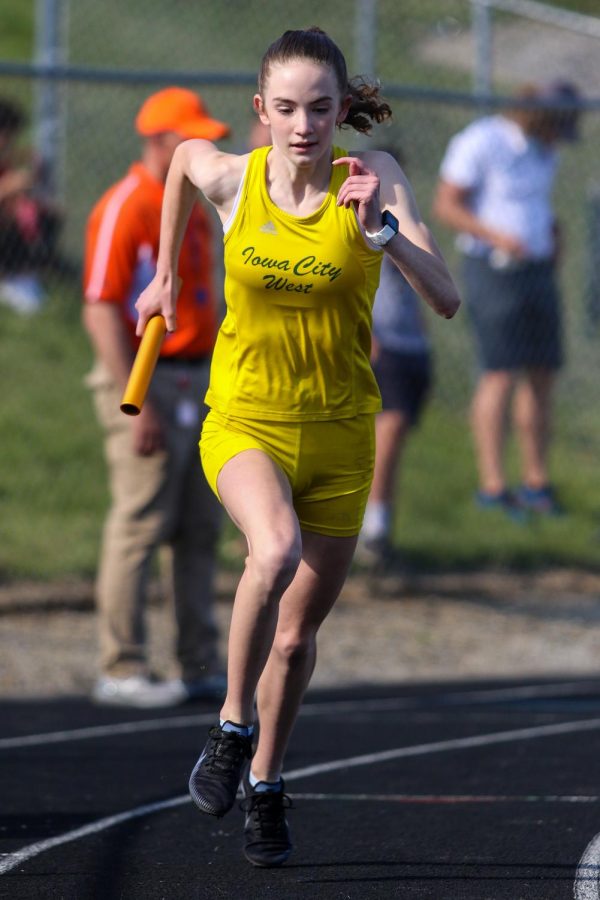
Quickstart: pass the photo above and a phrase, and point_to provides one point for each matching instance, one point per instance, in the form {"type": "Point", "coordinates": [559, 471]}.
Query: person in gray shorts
{"type": "Point", "coordinates": [401, 360]}
{"type": "Point", "coordinates": [515, 313]}
{"type": "Point", "coordinates": [495, 188]}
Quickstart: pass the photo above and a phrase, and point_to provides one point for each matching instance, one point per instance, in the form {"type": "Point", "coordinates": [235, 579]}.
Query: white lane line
{"type": "Point", "coordinates": [14, 859]}
{"type": "Point", "coordinates": [449, 799]}
{"type": "Point", "coordinates": [95, 731]}
{"type": "Point", "coordinates": [481, 740]}
{"type": "Point", "coordinates": [464, 697]}
{"type": "Point", "coordinates": [527, 692]}
{"type": "Point", "coordinates": [388, 704]}
{"type": "Point", "coordinates": [587, 877]}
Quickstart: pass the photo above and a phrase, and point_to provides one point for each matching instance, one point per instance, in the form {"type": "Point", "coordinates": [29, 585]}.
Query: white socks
{"type": "Point", "coordinates": [377, 521]}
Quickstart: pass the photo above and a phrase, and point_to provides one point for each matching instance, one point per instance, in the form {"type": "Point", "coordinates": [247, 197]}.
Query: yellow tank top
{"type": "Point", "coordinates": [295, 342]}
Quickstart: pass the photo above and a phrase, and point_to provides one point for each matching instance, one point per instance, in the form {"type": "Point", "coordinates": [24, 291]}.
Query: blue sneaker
{"type": "Point", "coordinates": [541, 501]}
{"type": "Point", "coordinates": [504, 501]}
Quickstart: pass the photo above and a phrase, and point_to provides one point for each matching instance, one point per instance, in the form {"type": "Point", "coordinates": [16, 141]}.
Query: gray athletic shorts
{"type": "Point", "coordinates": [515, 313]}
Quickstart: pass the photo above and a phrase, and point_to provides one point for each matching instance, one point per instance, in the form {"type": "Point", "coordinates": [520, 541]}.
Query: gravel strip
{"type": "Point", "coordinates": [382, 630]}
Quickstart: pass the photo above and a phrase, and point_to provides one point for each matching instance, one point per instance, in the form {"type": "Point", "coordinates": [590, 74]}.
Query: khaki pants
{"type": "Point", "coordinates": [157, 500]}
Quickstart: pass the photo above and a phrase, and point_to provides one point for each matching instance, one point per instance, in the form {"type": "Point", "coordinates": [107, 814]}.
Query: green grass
{"type": "Point", "coordinates": [52, 481]}
{"type": "Point", "coordinates": [16, 29]}
{"type": "Point", "coordinates": [438, 524]}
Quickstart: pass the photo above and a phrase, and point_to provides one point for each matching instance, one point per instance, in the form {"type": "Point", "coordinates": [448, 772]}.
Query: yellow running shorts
{"type": "Point", "coordinates": [329, 464]}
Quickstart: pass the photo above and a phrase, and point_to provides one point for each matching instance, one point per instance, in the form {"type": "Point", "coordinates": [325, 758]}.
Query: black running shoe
{"type": "Point", "coordinates": [216, 776]}
{"type": "Point", "coordinates": [267, 840]}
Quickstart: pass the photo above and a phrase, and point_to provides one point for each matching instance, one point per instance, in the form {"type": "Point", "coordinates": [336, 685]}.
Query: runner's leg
{"type": "Point", "coordinates": [258, 498]}
{"type": "Point", "coordinates": [306, 603]}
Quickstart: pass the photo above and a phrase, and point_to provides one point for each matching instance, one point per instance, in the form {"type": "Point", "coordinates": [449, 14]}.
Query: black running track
{"type": "Point", "coordinates": [447, 791]}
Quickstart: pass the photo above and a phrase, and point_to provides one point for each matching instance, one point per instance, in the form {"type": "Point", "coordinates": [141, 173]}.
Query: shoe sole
{"type": "Point", "coordinates": [269, 865]}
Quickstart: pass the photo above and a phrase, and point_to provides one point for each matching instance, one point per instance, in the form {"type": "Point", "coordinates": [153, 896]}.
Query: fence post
{"type": "Point", "coordinates": [50, 18]}
{"type": "Point", "coordinates": [365, 42]}
{"type": "Point", "coordinates": [366, 37]}
{"type": "Point", "coordinates": [592, 281]}
{"type": "Point", "coordinates": [481, 24]}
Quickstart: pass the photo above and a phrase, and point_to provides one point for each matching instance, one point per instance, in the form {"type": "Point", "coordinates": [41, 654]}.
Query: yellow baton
{"type": "Point", "coordinates": [143, 366]}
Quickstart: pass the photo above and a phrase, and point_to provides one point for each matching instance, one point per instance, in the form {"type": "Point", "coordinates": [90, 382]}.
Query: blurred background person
{"type": "Point", "coordinates": [401, 360]}
{"type": "Point", "coordinates": [159, 494]}
{"type": "Point", "coordinates": [29, 221]}
{"type": "Point", "coordinates": [495, 190]}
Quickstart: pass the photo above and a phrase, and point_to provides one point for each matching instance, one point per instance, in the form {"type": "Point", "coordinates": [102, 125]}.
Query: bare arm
{"type": "Point", "coordinates": [375, 183]}
{"type": "Point", "coordinates": [451, 207]}
{"type": "Point", "coordinates": [196, 165]}
{"type": "Point", "coordinates": [161, 294]}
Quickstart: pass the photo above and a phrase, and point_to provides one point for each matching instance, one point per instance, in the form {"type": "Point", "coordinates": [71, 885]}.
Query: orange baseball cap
{"type": "Point", "coordinates": [179, 110]}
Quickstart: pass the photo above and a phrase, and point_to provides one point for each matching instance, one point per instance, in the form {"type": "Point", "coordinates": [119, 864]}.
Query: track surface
{"type": "Point", "coordinates": [478, 791]}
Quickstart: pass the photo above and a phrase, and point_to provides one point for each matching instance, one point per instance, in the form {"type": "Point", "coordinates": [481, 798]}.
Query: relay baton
{"type": "Point", "coordinates": [143, 366]}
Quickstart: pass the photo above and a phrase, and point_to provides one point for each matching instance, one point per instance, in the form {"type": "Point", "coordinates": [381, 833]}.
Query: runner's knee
{"type": "Point", "coordinates": [294, 648]}
{"type": "Point", "coordinates": [274, 563]}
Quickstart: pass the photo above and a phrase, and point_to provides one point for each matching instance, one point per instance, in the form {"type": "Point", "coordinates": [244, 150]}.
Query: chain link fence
{"type": "Point", "coordinates": [441, 63]}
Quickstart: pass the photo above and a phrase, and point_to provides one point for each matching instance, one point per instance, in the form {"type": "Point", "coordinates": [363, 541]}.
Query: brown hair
{"type": "Point", "coordinates": [314, 44]}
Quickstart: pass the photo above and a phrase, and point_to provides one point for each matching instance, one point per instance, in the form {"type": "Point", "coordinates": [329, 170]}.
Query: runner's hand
{"type": "Point", "coordinates": [361, 188]}
{"type": "Point", "coordinates": [160, 297]}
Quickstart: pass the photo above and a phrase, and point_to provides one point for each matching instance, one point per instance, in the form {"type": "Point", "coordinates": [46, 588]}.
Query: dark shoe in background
{"type": "Point", "coordinates": [506, 502]}
{"type": "Point", "coordinates": [210, 687]}
{"type": "Point", "coordinates": [541, 501]}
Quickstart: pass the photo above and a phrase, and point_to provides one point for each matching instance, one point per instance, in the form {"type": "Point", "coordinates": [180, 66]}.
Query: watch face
{"type": "Point", "coordinates": [387, 218]}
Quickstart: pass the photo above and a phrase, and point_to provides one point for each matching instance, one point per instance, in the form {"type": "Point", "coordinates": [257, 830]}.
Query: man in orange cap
{"type": "Point", "coordinates": [158, 490]}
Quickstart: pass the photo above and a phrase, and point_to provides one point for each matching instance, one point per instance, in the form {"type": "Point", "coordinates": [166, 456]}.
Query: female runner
{"type": "Point", "coordinates": [288, 444]}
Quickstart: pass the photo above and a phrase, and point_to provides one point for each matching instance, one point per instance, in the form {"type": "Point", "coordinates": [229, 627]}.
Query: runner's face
{"type": "Point", "coordinates": [302, 105]}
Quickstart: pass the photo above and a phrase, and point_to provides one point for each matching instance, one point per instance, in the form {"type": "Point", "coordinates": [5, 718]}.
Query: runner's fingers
{"type": "Point", "coordinates": [355, 165]}
{"type": "Point", "coordinates": [362, 192]}
{"type": "Point", "coordinates": [361, 183]}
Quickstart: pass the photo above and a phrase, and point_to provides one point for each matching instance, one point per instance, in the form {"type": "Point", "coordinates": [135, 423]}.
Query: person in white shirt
{"type": "Point", "coordinates": [495, 190]}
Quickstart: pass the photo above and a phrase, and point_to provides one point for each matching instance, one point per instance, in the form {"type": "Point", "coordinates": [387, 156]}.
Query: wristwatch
{"type": "Point", "coordinates": [389, 228]}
